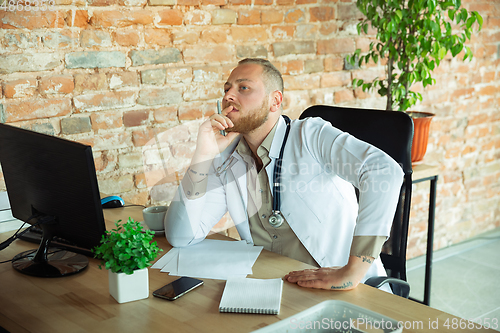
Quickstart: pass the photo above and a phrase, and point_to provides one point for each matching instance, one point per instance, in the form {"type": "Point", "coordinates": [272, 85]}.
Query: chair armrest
{"type": "Point", "coordinates": [399, 287]}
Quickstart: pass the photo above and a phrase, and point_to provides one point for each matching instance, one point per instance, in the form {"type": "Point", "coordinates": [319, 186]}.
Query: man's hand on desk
{"type": "Point", "coordinates": [333, 278]}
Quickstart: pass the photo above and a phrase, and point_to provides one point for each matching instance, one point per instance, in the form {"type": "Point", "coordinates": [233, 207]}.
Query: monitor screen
{"type": "Point", "coordinates": [52, 181]}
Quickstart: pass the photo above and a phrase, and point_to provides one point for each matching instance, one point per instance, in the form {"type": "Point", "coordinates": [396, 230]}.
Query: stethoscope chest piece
{"type": "Point", "coordinates": [276, 219]}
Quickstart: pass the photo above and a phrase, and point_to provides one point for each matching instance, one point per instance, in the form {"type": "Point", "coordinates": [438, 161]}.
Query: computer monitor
{"type": "Point", "coordinates": [52, 181]}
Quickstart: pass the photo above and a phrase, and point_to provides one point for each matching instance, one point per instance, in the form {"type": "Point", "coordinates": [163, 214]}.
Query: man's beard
{"type": "Point", "coordinates": [253, 120]}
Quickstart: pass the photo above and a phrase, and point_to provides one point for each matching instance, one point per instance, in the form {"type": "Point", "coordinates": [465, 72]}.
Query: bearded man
{"type": "Point", "coordinates": [317, 218]}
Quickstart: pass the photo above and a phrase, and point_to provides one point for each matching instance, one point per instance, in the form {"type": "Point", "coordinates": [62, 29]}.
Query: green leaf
{"type": "Point", "coordinates": [470, 22]}
{"type": "Point", "coordinates": [456, 49]}
{"type": "Point", "coordinates": [442, 52]}
{"type": "Point", "coordinates": [479, 19]}
{"type": "Point", "coordinates": [399, 14]}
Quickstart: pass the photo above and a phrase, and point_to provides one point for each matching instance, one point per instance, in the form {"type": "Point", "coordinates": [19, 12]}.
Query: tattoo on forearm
{"type": "Point", "coordinates": [345, 285]}
{"type": "Point", "coordinates": [366, 259]}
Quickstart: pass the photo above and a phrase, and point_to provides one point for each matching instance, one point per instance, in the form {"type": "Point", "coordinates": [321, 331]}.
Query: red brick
{"type": "Point", "coordinates": [20, 88]}
{"type": "Point", "coordinates": [292, 67]}
{"type": "Point", "coordinates": [185, 37]}
{"type": "Point", "coordinates": [336, 45]}
{"type": "Point", "coordinates": [58, 84]}
{"type": "Point", "coordinates": [485, 8]}
{"type": "Point", "coordinates": [271, 16]}
{"type": "Point", "coordinates": [120, 19]}
{"type": "Point", "coordinates": [285, 2]}
{"type": "Point", "coordinates": [109, 141]}
{"type": "Point", "coordinates": [248, 17]}
{"type": "Point", "coordinates": [202, 91]}
{"type": "Point", "coordinates": [360, 94]}
{"type": "Point", "coordinates": [188, 2]}
{"type": "Point", "coordinates": [190, 112]}
{"type": "Point", "coordinates": [140, 180]}
{"type": "Point", "coordinates": [328, 28]}
{"type": "Point", "coordinates": [213, 2]}
{"type": "Point", "coordinates": [86, 82]}
{"type": "Point", "coordinates": [368, 75]}
{"type": "Point", "coordinates": [106, 120]}
{"type": "Point", "coordinates": [249, 34]}
{"type": "Point", "coordinates": [101, 3]}
{"type": "Point", "coordinates": [488, 90]}
{"type": "Point", "coordinates": [105, 100]}
{"type": "Point", "coordinates": [321, 14]}
{"type": "Point", "coordinates": [491, 22]}
{"type": "Point", "coordinates": [161, 37]}
{"type": "Point", "coordinates": [135, 118]}
{"type": "Point", "coordinates": [477, 119]}
{"type": "Point", "coordinates": [348, 12]}
{"type": "Point", "coordinates": [263, 2]}
{"type": "Point", "coordinates": [363, 44]}
{"type": "Point", "coordinates": [60, 39]}
{"type": "Point", "coordinates": [197, 17]}
{"type": "Point", "coordinates": [77, 18]}
{"type": "Point", "coordinates": [126, 37]}
{"type": "Point", "coordinates": [488, 77]}
{"type": "Point", "coordinates": [141, 137]}
{"type": "Point", "coordinates": [31, 20]}
{"type": "Point", "coordinates": [123, 79]}
{"type": "Point", "coordinates": [217, 36]}
{"type": "Point", "coordinates": [283, 32]}
{"type": "Point", "coordinates": [165, 114]}
{"type": "Point", "coordinates": [335, 79]}
{"type": "Point", "coordinates": [36, 109]}
{"type": "Point", "coordinates": [343, 96]}
{"type": "Point", "coordinates": [137, 197]}
{"type": "Point", "coordinates": [303, 2]}
{"type": "Point", "coordinates": [100, 161]}
{"type": "Point", "coordinates": [302, 82]}
{"type": "Point", "coordinates": [219, 54]}
{"type": "Point", "coordinates": [240, 2]}
{"type": "Point", "coordinates": [294, 15]}
{"type": "Point", "coordinates": [334, 64]}
{"type": "Point", "coordinates": [170, 17]}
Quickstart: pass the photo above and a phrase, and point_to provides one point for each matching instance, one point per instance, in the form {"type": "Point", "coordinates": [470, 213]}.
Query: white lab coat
{"type": "Point", "coordinates": [320, 165]}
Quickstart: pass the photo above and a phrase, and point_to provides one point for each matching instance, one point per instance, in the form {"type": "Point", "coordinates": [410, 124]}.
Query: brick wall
{"type": "Point", "coordinates": [133, 78]}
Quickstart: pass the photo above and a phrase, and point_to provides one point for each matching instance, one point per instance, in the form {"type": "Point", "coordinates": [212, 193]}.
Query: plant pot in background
{"type": "Point", "coordinates": [421, 125]}
{"type": "Point", "coordinates": [131, 287]}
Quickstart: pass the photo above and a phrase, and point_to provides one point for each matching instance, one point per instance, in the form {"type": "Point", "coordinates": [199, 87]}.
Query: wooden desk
{"type": "Point", "coordinates": [81, 303]}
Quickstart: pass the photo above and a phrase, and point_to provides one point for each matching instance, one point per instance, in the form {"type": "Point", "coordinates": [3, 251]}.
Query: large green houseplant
{"type": "Point", "coordinates": [126, 251]}
{"type": "Point", "coordinates": [413, 37]}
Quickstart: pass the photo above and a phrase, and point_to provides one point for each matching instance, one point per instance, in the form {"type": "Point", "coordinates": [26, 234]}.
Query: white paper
{"type": "Point", "coordinates": [165, 259]}
{"type": "Point", "coordinates": [211, 259]}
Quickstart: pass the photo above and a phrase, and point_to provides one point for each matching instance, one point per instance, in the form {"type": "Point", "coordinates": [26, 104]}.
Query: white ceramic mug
{"type": "Point", "coordinates": [154, 216]}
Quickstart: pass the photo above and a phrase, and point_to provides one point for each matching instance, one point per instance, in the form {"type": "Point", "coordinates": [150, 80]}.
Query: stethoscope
{"type": "Point", "coordinates": [276, 219]}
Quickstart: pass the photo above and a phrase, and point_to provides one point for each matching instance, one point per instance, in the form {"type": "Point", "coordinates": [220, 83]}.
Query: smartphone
{"type": "Point", "coordinates": [177, 288]}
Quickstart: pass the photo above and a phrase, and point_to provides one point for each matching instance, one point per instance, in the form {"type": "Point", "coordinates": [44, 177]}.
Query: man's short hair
{"type": "Point", "coordinates": [272, 76]}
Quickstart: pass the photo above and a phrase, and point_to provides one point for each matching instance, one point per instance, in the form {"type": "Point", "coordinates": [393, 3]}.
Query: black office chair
{"type": "Point", "coordinates": [392, 132]}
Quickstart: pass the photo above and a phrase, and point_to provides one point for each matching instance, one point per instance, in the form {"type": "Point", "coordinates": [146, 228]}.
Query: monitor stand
{"type": "Point", "coordinates": [49, 262]}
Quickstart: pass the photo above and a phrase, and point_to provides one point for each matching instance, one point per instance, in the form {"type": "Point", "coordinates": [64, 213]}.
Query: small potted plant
{"type": "Point", "coordinates": [413, 37]}
{"type": "Point", "coordinates": [126, 252]}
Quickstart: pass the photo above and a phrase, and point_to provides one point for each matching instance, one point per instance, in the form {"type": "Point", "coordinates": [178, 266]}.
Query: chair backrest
{"type": "Point", "coordinates": [392, 132]}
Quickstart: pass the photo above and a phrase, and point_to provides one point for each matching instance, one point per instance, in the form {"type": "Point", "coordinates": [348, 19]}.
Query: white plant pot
{"type": "Point", "coordinates": [126, 288]}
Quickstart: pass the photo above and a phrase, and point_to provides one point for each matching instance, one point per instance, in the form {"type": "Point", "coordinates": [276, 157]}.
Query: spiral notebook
{"type": "Point", "coordinates": [243, 295]}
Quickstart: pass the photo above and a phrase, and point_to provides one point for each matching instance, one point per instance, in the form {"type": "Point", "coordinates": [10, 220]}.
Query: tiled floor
{"type": "Point", "coordinates": [465, 278]}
